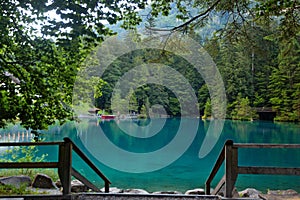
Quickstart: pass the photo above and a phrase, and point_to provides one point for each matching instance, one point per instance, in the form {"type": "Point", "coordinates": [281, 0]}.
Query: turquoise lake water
{"type": "Point", "coordinates": [149, 145]}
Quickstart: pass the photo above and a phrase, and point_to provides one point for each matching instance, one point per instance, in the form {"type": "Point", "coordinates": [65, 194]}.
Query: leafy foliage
{"type": "Point", "coordinates": [42, 46]}
{"type": "Point", "coordinates": [23, 154]}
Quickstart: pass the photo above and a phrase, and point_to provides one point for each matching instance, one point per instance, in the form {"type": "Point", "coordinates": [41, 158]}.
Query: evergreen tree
{"type": "Point", "coordinates": [285, 79]}
{"type": "Point", "coordinates": [207, 109]}
{"type": "Point", "coordinates": [242, 109]}
{"type": "Point", "coordinates": [203, 97]}
{"type": "Point", "coordinates": [133, 104]}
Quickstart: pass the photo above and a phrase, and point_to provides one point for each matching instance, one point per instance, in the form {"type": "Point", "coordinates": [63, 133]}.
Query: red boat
{"type": "Point", "coordinates": [108, 116]}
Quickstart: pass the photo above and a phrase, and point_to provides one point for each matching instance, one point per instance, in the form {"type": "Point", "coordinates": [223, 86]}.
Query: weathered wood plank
{"type": "Point", "coordinates": [87, 160]}
{"type": "Point", "coordinates": [219, 186]}
{"type": "Point", "coordinates": [231, 169]}
{"type": "Point", "coordinates": [253, 145]}
{"type": "Point", "coordinates": [269, 170]}
{"type": "Point", "coordinates": [16, 165]}
{"type": "Point", "coordinates": [10, 144]}
{"type": "Point", "coordinates": [216, 168]}
{"type": "Point", "coordinates": [65, 166]}
{"type": "Point", "coordinates": [85, 181]}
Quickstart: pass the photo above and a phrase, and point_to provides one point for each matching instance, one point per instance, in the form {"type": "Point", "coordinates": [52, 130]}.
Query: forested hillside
{"type": "Point", "coordinates": [259, 64]}
{"type": "Point", "coordinates": [261, 69]}
{"type": "Point", "coordinates": [43, 46]}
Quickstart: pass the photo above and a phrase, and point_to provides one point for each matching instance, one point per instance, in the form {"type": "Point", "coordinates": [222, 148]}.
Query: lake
{"type": "Point", "coordinates": [163, 154]}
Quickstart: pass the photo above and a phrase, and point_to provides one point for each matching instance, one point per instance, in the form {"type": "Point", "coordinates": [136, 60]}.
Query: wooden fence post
{"type": "Point", "coordinates": [231, 168]}
{"type": "Point", "coordinates": [65, 166]}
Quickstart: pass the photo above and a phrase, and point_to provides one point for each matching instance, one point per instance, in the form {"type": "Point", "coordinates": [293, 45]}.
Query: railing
{"type": "Point", "coordinates": [64, 164]}
{"type": "Point", "coordinates": [229, 154]}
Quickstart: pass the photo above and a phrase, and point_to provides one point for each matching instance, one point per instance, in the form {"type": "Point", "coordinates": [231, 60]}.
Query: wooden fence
{"type": "Point", "coordinates": [229, 154]}
{"type": "Point", "coordinates": [64, 164]}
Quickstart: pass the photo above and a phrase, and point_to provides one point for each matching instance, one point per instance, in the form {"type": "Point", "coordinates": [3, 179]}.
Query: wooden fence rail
{"type": "Point", "coordinates": [229, 154]}
{"type": "Point", "coordinates": [64, 164]}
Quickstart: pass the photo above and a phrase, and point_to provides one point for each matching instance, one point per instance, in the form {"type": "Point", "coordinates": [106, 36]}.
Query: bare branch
{"type": "Point", "coordinates": [184, 25]}
{"type": "Point", "coordinates": [197, 16]}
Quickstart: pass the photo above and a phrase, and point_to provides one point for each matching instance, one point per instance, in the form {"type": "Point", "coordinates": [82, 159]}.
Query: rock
{"type": "Point", "coordinates": [43, 181]}
{"type": "Point", "coordinates": [58, 183]}
{"type": "Point", "coordinates": [77, 186]}
{"type": "Point", "coordinates": [221, 192]}
{"type": "Point", "coordinates": [167, 192]}
{"type": "Point", "coordinates": [135, 191]}
{"type": "Point", "coordinates": [44, 191]}
{"type": "Point", "coordinates": [235, 193]}
{"type": "Point", "coordinates": [280, 195]}
{"type": "Point", "coordinates": [250, 192]}
{"type": "Point", "coordinates": [113, 190]}
{"type": "Point", "coordinates": [197, 191]}
{"type": "Point", "coordinates": [16, 181]}
{"type": "Point", "coordinates": [282, 192]}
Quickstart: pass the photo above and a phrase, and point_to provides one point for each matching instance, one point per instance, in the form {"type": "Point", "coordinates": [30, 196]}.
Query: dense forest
{"type": "Point", "coordinates": [260, 69]}
{"type": "Point", "coordinates": [259, 64]}
{"type": "Point", "coordinates": [44, 44]}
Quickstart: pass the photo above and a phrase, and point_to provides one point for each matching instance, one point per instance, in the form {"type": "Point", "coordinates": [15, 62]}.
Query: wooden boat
{"type": "Point", "coordinates": [108, 116]}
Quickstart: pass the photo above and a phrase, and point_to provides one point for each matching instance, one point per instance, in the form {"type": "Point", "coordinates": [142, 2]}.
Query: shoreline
{"type": "Point", "coordinates": [43, 185]}
{"type": "Point", "coordinates": [198, 193]}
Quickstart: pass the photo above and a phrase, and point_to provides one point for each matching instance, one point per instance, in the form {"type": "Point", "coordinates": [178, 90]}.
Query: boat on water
{"type": "Point", "coordinates": [108, 116]}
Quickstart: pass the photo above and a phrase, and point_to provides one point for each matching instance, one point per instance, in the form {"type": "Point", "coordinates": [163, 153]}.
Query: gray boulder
{"type": "Point", "coordinates": [280, 195]}
{"type": "Point", "coordinates": [235, 193]}
{"type": "Point", "coordinates": [135, 191]}
{"type": "Point", "coordinates": [43, 181]}
{"type": "Point", "coordinates": [113, 190]}
{"type": "Point", "coordinates": [77, 186]}
{"type": "Point", "coordinates": [16, 181]}
{"type": "Point", "coordinates": [250, 192]}
{"type": "Point", "coordinates": [167, 192]}
{"type": "Point", "coordinates": [58, 183]}
{"type": "Point", "coordinates": [283, 192]}
{"type": "Point", "coordinates": [197, 191]}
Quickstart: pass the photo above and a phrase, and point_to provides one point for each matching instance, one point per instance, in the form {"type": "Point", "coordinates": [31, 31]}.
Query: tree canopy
{"type": "Point", "coordinates": [42, 46]}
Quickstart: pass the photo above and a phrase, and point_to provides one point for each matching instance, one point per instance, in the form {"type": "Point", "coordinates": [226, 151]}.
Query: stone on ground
{"type": "Point", "coordinates": [43, 181]}
{"type": "Point", "coordinates": [197, 191]}
{"type": "Point", "coordinates": [16, 181]}
{"type": "Point", "coordinates": [280, 195]}
{"type": "Point", "coordinates": [78, 186]}
{"type": "Point", "coordinates": [58, 183]}
{"type": "Point", "coordinates": [283, 192]}
{"type": "Point", "coordinates": [250, 192]}
{"type": "Point", "coordinates": [167, 192]}
{"type": "Point", "coordinates": [112, 190]}
{"type": "Point", "coordinates": [135, 191]}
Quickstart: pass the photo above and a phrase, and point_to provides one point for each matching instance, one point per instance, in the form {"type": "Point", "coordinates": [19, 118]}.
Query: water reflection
{"type": "Point", "coordinates": [188, 171]}
{"type": "Point", "coordinates": [16, 137]}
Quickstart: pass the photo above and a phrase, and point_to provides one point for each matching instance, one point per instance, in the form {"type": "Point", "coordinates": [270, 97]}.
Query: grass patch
{"type": "Point", "coordinates": [31, 173]}
{"type": "Point", "coordinates": [13, 190]}
{"type": "Point", "coordinates": [23, 189]}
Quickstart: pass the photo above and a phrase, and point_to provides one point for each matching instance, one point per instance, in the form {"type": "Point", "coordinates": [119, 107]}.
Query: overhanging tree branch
{"type": "Point", "coordinates": [203, 14]}
{"type": "Point", "coordinates": [185, 24]}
